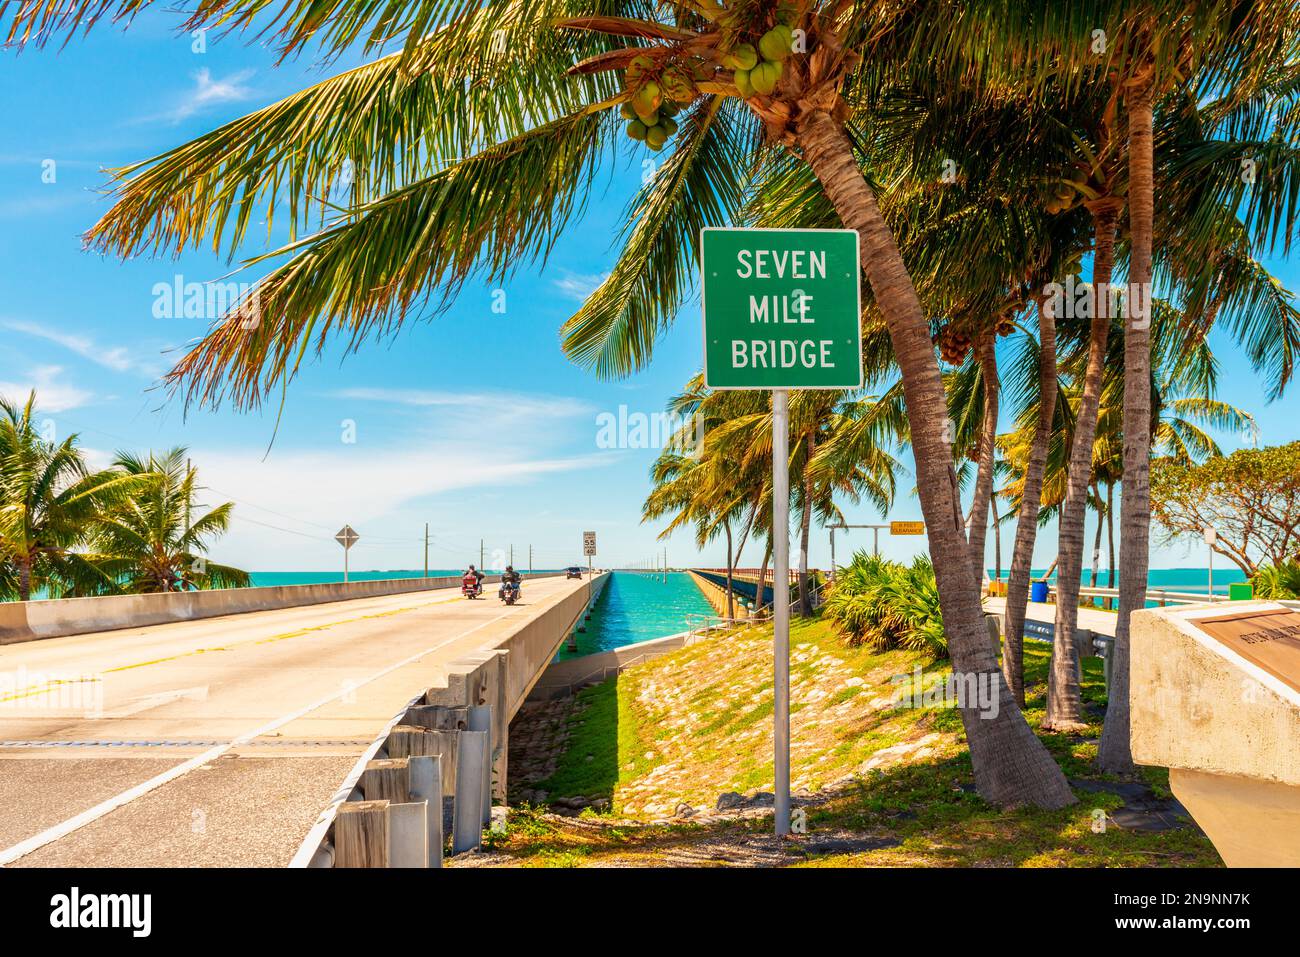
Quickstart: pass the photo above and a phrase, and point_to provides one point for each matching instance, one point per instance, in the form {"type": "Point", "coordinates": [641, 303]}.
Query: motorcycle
{"type": "Point", "coordinates": [470, 587]}
{"type": "Point", "coordinates": [509, 592]}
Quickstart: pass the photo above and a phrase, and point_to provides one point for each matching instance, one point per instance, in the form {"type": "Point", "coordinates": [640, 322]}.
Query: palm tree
{"type": "Point", "coordinates": [152, 542]}
{"type": "Point", "coordinates": [1247, 55]}
{"type": "Point", "coordinates": [472, 147]}
{"type": "Point", "coordinates": [48, 500]}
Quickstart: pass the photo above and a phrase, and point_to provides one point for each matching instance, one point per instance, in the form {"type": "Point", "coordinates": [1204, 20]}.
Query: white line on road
{"type": "Point", "coordinates": [63, 829]}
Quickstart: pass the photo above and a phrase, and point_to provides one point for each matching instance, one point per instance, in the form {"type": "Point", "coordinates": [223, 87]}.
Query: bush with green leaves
{"type": "Point", "coordinates": [1278, 581]}
{"type": "Point", "coordinates": [886, 605]}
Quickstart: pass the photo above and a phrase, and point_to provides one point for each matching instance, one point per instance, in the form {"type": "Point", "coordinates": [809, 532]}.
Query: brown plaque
{"type": "Point", "coordinates": [1269, 639]}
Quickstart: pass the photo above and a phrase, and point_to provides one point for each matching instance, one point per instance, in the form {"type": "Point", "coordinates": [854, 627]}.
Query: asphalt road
{"type": "Point", "coordinates": [216, 742]}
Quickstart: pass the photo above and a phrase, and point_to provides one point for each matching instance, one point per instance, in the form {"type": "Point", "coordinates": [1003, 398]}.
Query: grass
{"type": "Point", "coordinates": [689, 726]}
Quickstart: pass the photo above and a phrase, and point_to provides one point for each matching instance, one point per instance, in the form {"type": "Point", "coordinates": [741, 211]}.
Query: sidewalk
{"type": "Point", "coordinates": [1097, 621]}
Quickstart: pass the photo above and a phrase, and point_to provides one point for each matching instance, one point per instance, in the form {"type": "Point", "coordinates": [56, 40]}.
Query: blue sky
{"type": "Point", "coordinates": [473, 422]}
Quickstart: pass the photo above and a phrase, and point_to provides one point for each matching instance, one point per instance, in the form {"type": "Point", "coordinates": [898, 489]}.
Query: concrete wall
{"type": "Point", "coordinates": [503, 676]}
{"type": "Point", "coordinates": [54, 618]}
{"type": "Point", "coordinates": [565, 677]}
{"type": "Point", "coordinates": [746, 588]}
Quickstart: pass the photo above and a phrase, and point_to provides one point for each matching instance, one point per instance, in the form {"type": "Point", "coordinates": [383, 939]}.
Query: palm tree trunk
{"type": "Point", "coordinates": [1096, 538]}
{"type": "Point", "coordinates": [997, 537]}
{"type": "Point", "coordinates": [805, 526]}
{"type": "Point", "coordinates": [979, 510]}
{"type": "Point", "coordinates": [1114, 754]}
{"type": "Point", "coordinates": [1064, 702]}
{"type": "Point", "coordinates": [761, 603]}
{"type": "Point", "coordinates": [1031, 494]}
{"type": "Point", "coordinates": [1110, 538]}
{"type": "Point", "coordinates": [25, 578]}
{"type": "Point", "coordinates": [1011, 765]}
{"type": "Point", "coordinates": [731, 606]}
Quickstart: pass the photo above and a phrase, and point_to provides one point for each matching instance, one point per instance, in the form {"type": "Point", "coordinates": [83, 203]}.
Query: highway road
{"type": "Point", "coordinates": [216, 742]}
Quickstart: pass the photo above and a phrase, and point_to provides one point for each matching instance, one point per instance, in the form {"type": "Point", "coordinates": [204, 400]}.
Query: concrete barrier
{"type": "Point", "coordinates": [563, 678]}
{"type": "Point", "coordinates": [1214, 695]}
{"type": "Point", "coordinates": [499, 677]}
{"type": "Point", "coordinates": [57, 617]}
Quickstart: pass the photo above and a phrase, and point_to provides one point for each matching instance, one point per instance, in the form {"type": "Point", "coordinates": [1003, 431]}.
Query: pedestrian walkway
{"type": "Point", "coordinates": [1094, 619]}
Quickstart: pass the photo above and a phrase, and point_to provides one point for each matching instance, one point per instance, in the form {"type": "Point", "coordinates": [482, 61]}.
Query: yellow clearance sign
{"type": "Point", "coordinates": [907, 528]}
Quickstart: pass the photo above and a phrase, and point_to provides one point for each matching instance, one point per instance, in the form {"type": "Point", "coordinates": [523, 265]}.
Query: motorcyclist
{"type": "Point", "coordinates": [509, 577]}
{"type": "Point", "coordinates": [477, 576]}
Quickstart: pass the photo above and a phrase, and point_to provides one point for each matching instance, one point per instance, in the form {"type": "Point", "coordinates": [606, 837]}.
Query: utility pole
{"type": "Point", "coordinates": [530, 559]}
{"type": "Point", "coordinates": [480, 554]}
{"type": "Point", "coordinates": [426, 549]}
{"type": "Point", "coordinates": [512, 556]}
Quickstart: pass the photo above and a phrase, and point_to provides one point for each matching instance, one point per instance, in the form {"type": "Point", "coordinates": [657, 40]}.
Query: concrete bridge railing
{"type": "Point", "coordinates": [54, 618]}
{"type": "Point", "coordinates": [462, 722]}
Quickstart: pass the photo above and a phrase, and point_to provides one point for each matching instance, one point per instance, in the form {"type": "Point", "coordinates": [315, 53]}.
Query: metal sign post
{"type": "Point", "coordinates": [1211, 536]}
{"type": "Point", "coordinates": [346, 537]}
{"type": "Point", "coordinates": [781, 604]}
{"type": "Point", "coordinates": [782, 311]}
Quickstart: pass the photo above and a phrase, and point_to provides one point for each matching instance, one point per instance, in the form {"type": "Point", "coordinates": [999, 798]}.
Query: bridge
{"type": "Point", "coordinates": [191, 737]}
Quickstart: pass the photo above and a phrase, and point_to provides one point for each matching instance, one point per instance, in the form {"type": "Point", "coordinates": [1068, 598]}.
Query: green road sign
{"type": "Point", "coordinates": [781, 308]}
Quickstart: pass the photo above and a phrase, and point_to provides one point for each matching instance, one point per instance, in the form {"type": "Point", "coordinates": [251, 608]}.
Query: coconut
{"type": "Point", "coordinates": [646, 100]}
{"type": "Point", "coordinates": [669, 108]}
{"type": "Point", "coordinates": [639, 68]}
{"type": "Point", "coordinates": [656, 137]}
{"type": "Point", "coordinates": [677, 85]}
{"type": "Point", "coordinates": [636, 129]}
{"type": "Point", "coordinates": [669, 124]}
{"type": "Point", "coordinates": [627, 111]}
{"type": "Point", "coordinates": [744, 57]}
{"type": "Point", "coordinates": [775, 43]}
{"type": "Point", "coordinates": [764, 77]}
{"type": "Point", "coordinates": [744, 83]}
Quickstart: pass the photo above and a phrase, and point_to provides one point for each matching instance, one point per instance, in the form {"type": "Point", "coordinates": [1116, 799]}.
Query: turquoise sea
{"type": "Point", "coordinates": [638, 606]}
{"type": "Point", "coordinates": [266, 579]}
{"type": "Point", "coordinates": [1194, 580]}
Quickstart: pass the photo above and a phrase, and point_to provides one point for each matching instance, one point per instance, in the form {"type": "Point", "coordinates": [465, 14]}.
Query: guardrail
{"type": "Point", "coordinates": [445, 750]}
{"type": "Point", "coordinates": [1161, 596]}
{"type": "Point", "coordinates": [58, 617]}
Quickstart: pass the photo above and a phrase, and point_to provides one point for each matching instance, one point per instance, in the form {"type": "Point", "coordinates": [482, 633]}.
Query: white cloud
{"type": "Point", "coordinates": [483, 404]}
{"type": "Point", "coordinates": [579, 286]}
{"type": "Point", "coordinates": [117, 358]}
{"type": "Point", "coordinates": [52, 395]}
{"type": "Point", "coordinates": [209, 92]}
{"type": "Point", "coordinates": [307, 495]}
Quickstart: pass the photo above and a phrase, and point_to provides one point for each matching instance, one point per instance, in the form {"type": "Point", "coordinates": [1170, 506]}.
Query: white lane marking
{"type": "Point", "coordinates": [63, 829]}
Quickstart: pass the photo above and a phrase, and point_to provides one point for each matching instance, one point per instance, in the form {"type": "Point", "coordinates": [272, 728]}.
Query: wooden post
{"type": "Point", "coordinates": [406, 741]}
{"type": "Point", "coordinates": [386, 780]}
{"type": "Point", "coordinates": [437, 718]}
{"type": "Point", "coordinates": [361, 834]}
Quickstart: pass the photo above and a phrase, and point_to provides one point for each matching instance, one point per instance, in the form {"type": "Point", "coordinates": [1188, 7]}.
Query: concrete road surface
{"type": "Point", "coordinates": [216, 742]}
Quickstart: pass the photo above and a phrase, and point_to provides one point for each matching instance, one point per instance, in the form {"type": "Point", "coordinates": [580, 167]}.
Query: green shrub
{"type": "Point", "coordinates": [886, 605]}
{"type": "Point", "coordinates": [1277, 581]}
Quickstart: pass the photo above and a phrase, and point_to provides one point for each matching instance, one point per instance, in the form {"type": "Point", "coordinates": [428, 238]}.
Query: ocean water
{"type": "Point", "coordinates": [637, 607]}
{"type": "Point", "coordinates": [269, 579]}
{"type": "Point", "coordinates": [1193, 580]}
